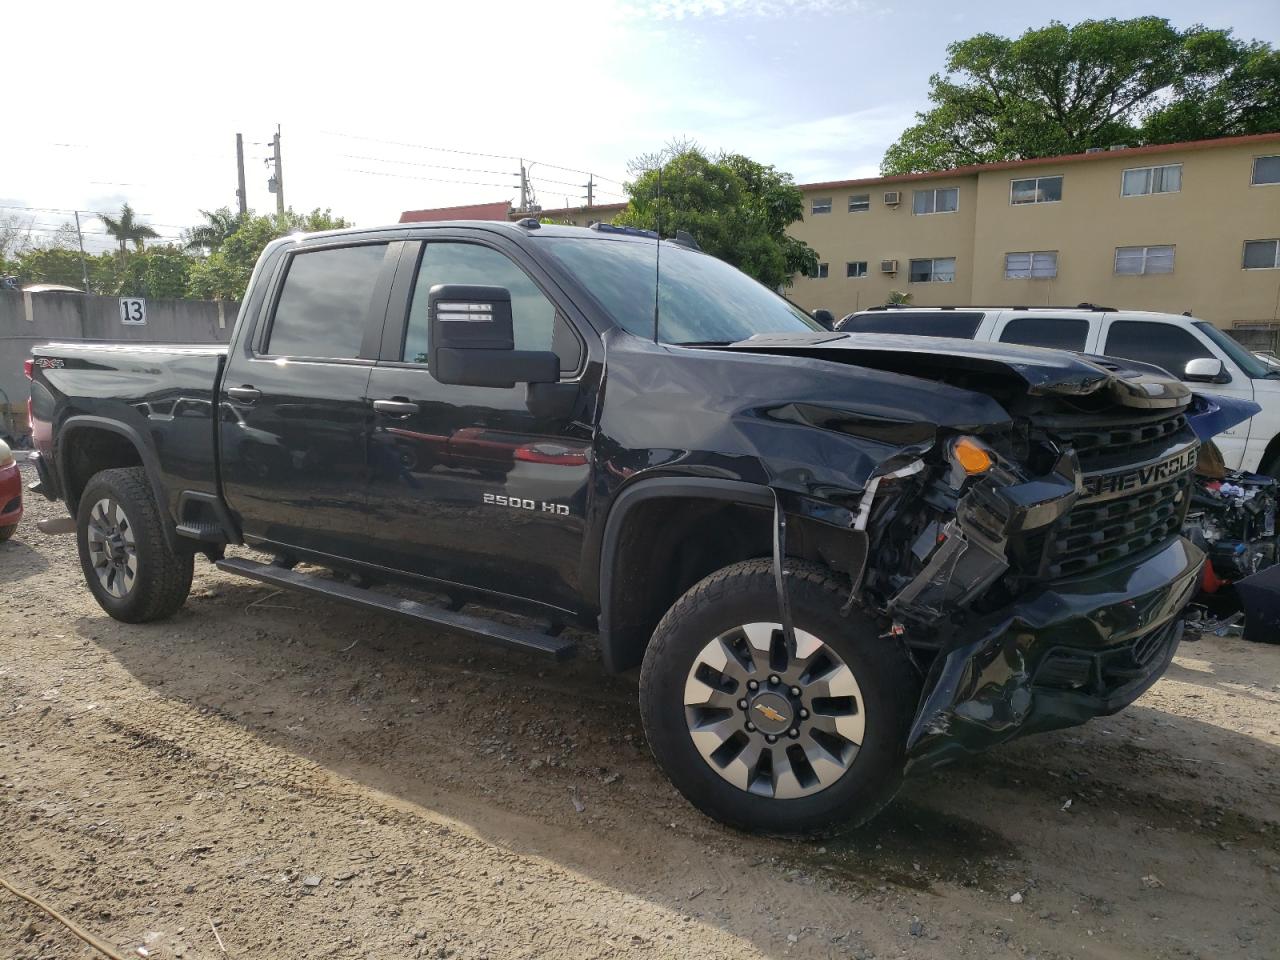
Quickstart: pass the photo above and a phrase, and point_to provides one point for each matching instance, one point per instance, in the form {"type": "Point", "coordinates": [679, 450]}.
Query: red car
{"type": "Point", "coordinates": [10, 493]}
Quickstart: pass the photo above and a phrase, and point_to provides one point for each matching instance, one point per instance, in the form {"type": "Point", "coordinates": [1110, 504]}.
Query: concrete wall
{"type": "Point", "coordinates": [28, 319]}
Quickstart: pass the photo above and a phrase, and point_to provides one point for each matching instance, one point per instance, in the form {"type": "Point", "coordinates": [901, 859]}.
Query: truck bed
{"type": "Point", "coordinates": [161, 395]}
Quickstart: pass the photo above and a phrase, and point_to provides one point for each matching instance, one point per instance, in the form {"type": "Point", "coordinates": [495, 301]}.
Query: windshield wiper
{"type": "Point", "coordinates": [704, 343]}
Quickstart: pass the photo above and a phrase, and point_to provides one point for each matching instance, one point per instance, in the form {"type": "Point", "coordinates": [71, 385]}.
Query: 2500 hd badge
{"type": "Point", "coordinates": [519, 503]}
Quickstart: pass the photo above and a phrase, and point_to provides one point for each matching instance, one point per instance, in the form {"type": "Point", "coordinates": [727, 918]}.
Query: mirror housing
{"type": "Point", "coordinates": [1206, 370]}
{"type": "Point", "coordinates": [472, 342]}
{"type": "Point", "coordinates": [825, 318]}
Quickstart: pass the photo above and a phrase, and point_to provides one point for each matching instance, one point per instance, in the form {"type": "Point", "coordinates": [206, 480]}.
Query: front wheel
{"type": "Point", "coordinates": [763, 735]}
{"type": "Point", "coordinates": [129, 565]}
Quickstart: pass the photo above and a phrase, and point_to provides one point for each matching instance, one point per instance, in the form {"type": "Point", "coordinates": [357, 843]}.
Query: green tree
{"type": "Point", "coordinates": [49, 265]}
{"type": "Point", "coordinates": [224, 274]}
{"type": "Point", "coordinates": [735, 208]}
{"type": "Point", "coordinates": [127, 230]}
{"type": "Point", "coordinates": [1062, 89]}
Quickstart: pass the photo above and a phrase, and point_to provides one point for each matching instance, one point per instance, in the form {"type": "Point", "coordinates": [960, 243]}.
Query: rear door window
{"type": "Point", "coordinates": [325, 302]}
{"type": "Point", "coordinates": [1161, 344]}
{"type": "Point", "coordinates": [1060, 333]}
{"type": "Point", "coordinates": [944, 323]}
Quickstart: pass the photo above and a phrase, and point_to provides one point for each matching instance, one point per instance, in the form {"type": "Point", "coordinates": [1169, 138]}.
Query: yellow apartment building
{"type": "Point", "coordinates": [1177, 227]}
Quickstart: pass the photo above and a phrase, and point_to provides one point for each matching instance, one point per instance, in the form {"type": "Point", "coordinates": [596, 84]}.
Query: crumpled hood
{"type": "Point", "coordinates": [1038, 371]}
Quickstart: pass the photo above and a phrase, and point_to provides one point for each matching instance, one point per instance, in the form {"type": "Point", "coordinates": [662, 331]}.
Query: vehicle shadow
{"type": "Point", "coordinates": [548, 760]}
{"type": "Point", "coordinates": [19, 560]}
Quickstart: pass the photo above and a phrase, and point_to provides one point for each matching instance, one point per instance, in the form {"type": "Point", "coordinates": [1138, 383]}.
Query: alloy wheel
{"type": "Point", "coordinates": [112, 549]}
{"type": "Point", "coordinates": [773, 719]}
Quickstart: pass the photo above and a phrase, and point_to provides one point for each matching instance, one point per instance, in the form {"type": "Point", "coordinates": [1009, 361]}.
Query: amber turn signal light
{"type": "Point", "coordinates": [971, 455]}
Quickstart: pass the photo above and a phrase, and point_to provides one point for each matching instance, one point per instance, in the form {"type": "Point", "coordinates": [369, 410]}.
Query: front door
{"type": "Point", "coordinates": [294, 415]}
{"type": "Point", "coordinates": [480, 486]}
{"type": "Point", "coordinates": [1172, 347]}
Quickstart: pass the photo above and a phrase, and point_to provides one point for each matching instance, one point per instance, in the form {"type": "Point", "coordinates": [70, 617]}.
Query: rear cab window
{"type": "Point", "coordinates": [325, 302]}
{"type": "Point", "coordinates": [961, 325]}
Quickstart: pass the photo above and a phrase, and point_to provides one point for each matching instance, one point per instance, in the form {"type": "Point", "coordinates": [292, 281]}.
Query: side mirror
{"type": "Point", "coordinates": [825, 318]}
{"type": "Point", "coordinates": [472, 342]}
{"type": "Point", "coordinates": [1205, 370]}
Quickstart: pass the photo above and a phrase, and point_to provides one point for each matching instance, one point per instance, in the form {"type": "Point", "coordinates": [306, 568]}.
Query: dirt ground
{"type": "Point", "coordinates": [316, 783]}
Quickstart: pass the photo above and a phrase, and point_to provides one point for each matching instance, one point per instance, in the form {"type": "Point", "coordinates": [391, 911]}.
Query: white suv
{"type": "Point", "coordinates": [1194, 350]}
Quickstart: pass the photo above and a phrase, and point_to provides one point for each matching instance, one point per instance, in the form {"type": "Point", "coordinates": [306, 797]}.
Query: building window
{"type": "Point", "coordinates": [1034, 265]}
{"type": "Point", "coordinates": [1261, 254]}
{"type": "Point", "coordinates": [1141, 181]}
{"type": "Point", "coordinates": [1035, 190]}
{"type": "Point", "coordinates": [824, 270]}
{"type": "Point", "coordinates": [1266, 170]}
{"type": "Point", "coordinates": [937, 270]}
{"type": "Point", "coordinates": [942, 200]}
{"type": "Point", "coordinates": [1131, 261]}
{"type": "Point", "coordinates": [855, 268]}
{"type": "Point", "coordinates": [859, 202]}
{"type": "Point", "coordinates": [821, 205]}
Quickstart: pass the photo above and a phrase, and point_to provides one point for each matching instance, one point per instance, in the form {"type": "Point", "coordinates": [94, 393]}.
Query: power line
{"type": "Point", "coordinates": [471, 153]}
{"type": "Point", "coordinates": [405, 176]}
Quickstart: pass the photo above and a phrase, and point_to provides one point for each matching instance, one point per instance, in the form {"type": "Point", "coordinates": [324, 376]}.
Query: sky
{"type": "Point", "coordinates": [392, 106]}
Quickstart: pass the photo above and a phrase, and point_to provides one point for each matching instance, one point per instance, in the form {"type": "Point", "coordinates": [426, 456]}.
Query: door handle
{"type": "Point", "coordinates": [396, 408]}
{"type": "Point", "coordinates": [246, 393]}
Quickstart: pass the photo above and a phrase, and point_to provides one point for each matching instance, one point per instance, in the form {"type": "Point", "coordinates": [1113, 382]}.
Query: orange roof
{"type": "Point", "coordinates": [973, 168]}
{"type": "Point", "coordinates": [472, 211]}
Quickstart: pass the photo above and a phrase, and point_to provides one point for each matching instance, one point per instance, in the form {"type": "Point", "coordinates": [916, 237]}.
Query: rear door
{"type": "Point", "coordinates": [294, 414]}
{"type": "Point", "coordinates": [484, 487]}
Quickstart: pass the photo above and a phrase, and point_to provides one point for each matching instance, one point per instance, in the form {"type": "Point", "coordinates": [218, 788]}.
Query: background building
{"type": "Point", "coordinates": [1178, 227]}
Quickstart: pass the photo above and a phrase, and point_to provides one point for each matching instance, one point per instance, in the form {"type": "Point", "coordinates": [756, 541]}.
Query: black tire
{"type": "Point", "coordinates": [744, 594]}
{"type": "Point", "coordinates": [7, 532]}
{"type": "Point", "coordinates": [161, 578]}
{"type": "Point", "coordinates": [1272, 467]}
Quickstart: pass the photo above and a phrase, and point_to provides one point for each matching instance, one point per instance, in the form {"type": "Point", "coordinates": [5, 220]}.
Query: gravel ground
{"type": "Point", "coordinates": [317, 783]}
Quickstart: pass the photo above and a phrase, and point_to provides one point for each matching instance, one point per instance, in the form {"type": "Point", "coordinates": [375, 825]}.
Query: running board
{"type": "Point", "coordinates": [559, 648]}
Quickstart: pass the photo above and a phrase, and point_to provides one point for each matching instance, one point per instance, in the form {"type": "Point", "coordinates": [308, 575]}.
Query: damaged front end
{"type": "Point", "coordinates": [1037, 576]}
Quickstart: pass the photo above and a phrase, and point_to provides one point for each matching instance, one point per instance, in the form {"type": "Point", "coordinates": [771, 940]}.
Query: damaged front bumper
{"type": "Point", "coordinates": [1079, 648]}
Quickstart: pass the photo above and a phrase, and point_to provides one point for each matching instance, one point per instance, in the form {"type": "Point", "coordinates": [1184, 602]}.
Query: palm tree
{"type": "Point", "coordinates": [221, 223]}
{"type": "Point", "coordinates": [897, 298]}
{"type": "Point", "coordinates": [127, 230]}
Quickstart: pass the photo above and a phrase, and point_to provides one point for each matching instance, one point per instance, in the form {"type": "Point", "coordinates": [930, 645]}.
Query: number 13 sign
{"type": "Point", "coordinates": [133, 310]}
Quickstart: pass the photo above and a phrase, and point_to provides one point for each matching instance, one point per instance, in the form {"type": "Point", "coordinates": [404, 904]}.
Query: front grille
{"type": "Point", "coordinates": [1097, 533]}
{"type": "Point", "coordinates": [1096, 441]}
{"type": "Point", "coordinates": [1102, 528]}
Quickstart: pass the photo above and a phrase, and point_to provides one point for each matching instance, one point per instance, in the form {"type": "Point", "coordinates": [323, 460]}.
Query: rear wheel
{"type": "Point", "coordinates": [129, 565]}
{"type": "Point", "coordinates": [766, 735]}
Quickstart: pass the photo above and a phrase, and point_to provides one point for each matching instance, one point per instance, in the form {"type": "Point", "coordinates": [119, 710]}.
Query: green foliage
{"type": "Point", "coordinates": [1062, 89]}
{"type": "Point", "coordinates": [736, 209]}
{"type": "Point", "coordinates": [170, 272]}
{"type": "Point", "coordinates": [897, 298]}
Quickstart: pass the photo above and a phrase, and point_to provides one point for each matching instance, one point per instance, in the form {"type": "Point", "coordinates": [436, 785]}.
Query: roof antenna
{"type": "Point", "coordinates": [657, 259]}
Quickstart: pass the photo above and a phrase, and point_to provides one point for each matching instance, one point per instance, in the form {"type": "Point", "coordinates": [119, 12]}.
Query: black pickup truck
{"type": "Point", "coordinates": [835, 558]}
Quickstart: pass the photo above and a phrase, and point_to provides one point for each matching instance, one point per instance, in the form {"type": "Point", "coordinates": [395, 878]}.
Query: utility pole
{"type": "Point", "coordinates": [279, 175]}
{"type": "Point", "coordinates": [591, 183]}
{"type": "Point", "coordinates": [241, 197]}
{"type": "Point", "coordinates": [524, 188]}
{"type": "Point", "coordinates": [84, 269]}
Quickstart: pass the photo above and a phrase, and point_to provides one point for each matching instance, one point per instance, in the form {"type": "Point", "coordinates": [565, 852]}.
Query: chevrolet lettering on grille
{"type": "Point", "coordinates": [1148, 475]}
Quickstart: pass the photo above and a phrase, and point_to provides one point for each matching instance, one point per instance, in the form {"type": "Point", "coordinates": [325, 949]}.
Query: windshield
{"type": "Point", "coordinates": [1253, 368]}
{"type": "Point", "coordinates": [704, 300]}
